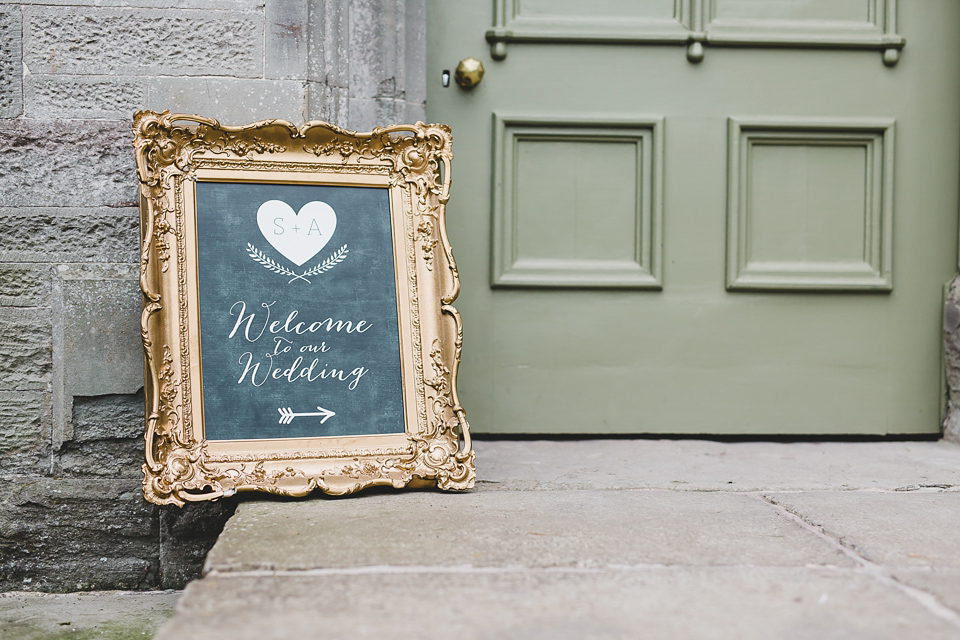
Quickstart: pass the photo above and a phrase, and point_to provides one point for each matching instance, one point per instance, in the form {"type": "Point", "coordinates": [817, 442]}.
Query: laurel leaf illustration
{"type": "Point", "coordinates": [333, 260]}
{"type": "Point", "coordinates": [270, 264]}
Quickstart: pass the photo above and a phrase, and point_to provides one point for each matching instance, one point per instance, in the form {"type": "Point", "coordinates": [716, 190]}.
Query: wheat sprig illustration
{"type": "Point", "coordinates": [268, 263]}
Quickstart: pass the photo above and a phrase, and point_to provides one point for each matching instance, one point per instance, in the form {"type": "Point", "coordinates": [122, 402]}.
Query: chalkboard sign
{"type": "Point", "coordinates": [298, 327]}
{"type": "Point", "coordinates": [302, 338]}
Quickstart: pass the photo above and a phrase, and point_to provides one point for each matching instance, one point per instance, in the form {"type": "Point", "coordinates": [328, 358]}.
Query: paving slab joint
{"type": "Point", "coordinates": [927, 600]}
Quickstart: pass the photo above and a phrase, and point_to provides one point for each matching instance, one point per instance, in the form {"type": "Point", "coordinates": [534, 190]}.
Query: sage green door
{"type": "Point", "coordinates": [702, 216]}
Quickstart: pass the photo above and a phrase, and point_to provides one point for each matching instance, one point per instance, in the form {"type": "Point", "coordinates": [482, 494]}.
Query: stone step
{"type": "Point", "coordinates": [606, 539]}
{"type": "Point", "coordinates": [509, 529]}
{"type": "Point", "coordinates": [655, 602]}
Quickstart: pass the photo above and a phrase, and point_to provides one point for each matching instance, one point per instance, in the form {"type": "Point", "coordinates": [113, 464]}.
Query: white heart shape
{"type": "Point", "coordinates": [297, 236]}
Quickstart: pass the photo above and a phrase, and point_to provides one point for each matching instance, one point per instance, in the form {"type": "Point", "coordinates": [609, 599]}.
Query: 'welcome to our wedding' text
{"type": "Point", "coordinates": [287, 360]}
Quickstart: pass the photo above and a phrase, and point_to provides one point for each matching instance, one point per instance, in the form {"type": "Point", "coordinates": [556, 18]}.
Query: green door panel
{"type": "Point", "coordinates": [755, 244]}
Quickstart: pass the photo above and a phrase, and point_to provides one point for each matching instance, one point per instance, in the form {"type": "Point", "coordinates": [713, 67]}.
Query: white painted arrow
{"type": "Point", "coordinates": [287, 415]}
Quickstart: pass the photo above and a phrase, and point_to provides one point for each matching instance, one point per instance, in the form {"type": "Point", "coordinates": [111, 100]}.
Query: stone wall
{"type": "Point", "coordinates": [951, 333]}
{"type": "Point", "coordinates": [72, 72]}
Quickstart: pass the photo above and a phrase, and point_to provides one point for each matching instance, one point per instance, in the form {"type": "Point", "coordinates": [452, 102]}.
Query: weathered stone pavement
{"type": "Point", "coordinates": [104, 615]}
{"type": "Point", "coordinates": [607, 539]}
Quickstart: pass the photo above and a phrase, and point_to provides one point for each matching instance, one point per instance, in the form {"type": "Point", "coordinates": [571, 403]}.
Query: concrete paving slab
{"type": "Point", "coordinates": [703, 465]}
{"type": "Point", "coordinates": [902, 529]}
{"type": "Point", "coordinates": [105, 615]}
{"type": "Point", "coordinates": [523, 529]}
{"type": "Point", "coordinates": [649, 603]}
{"type": "Point", "coordinates": [943, 584]}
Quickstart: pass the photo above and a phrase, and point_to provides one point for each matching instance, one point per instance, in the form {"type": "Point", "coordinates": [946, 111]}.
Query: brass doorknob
{"type": "Point", "coordinates": [469, 73]}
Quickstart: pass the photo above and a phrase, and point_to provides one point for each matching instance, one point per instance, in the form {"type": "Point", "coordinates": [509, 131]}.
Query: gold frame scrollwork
{"type": "Point", "coordinates": [413, 161]}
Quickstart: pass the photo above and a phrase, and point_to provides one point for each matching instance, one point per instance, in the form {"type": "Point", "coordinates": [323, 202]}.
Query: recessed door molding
{"type": "Point", "coordinates": [593, 217]}
{"type": "Point", "coordinates": [810, 204]}
{"type": "Point", "coordinates": [844, 24]}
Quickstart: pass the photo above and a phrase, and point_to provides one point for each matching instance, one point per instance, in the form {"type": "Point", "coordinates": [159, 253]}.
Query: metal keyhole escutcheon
{"type": "Point", "coordinates": [469, 73]}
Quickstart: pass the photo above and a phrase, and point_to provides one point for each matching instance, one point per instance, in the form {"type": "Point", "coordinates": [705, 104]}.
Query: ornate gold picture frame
{"type": "Point", "coordinates": [297, 323]}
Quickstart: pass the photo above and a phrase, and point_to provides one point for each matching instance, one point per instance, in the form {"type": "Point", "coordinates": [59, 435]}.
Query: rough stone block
{"type": "Point", "coordinates": [127, 41]}
{"type": "Point", "coordinates": [388, 56]}
{"type": "Point", "coordinates": [230, 100]}
{"type": "Point", "coordinates": [209, 5]}
{"type": "Point", "coordinates": [367, 113]}
{"type": "Point", "coordinates": [74, 535]}
{"type": "Point", "coordinates": [114, 458]}
{"type": "Point", "coordinates": [82, 97]}
{"type": "Point", "coordinates": [328, 62]}
{"type": "Point", "coordinates": [330, 104]}
{"type": "Point", "coordinates": [107, 417]}
{"type": "Point", "coordinates": [413, 111]}
{"type": "Point", "coordinates": [107, 438]}
{"type": "Point", "coordinates": [415, 54]}
{"type": "Point", "coordinates": [951, 344]}
{"type": "Point", "coordinates": [327, 49]}
{"type": "Point", "coordinates": [96, 337]}
{"type": "Point", "coordinates": [60, 163]}
{"type": "Point", "coordinates": [25, 349]}
{"type": "Point", "coordinates": [99, 315]}
{"type": "Point", "coordinates": [285, 40]}
{"type": "Point", "coordinates": [11, 65]}
{"type": "Point", "coordinates": [48, 234]}
{"type": "Point", "coordinates": [376, 42]}
{"type": "Point", "coordinates": [186, 535]}
{"type": "Point", "coordinates": [367, 62]}
{"type": "Point", "coordinates": [24, 431]}
{"type": "Point", "coordinates": [24, 285]}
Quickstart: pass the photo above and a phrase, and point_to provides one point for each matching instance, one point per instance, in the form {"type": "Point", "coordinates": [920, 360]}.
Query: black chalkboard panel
{"type": "Point", "coordinates": [298, 311]}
